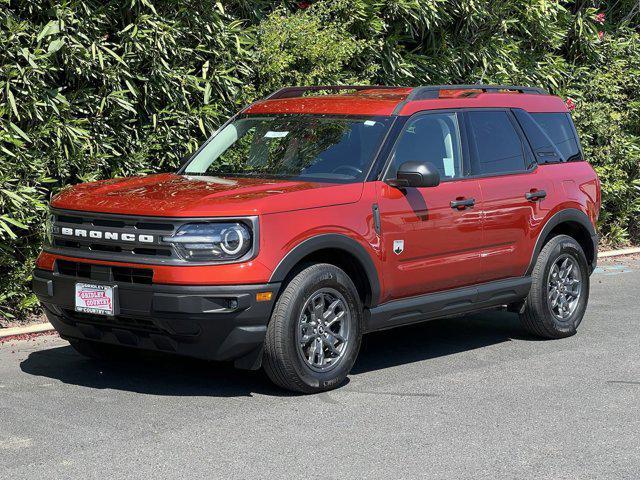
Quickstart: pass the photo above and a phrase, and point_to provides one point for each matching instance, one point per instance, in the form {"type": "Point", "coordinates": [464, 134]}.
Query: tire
{"type": "Point", "coordinates": [99, 351]}
{"type": "Point", "coordinates": [295, 365]}
{"type": "Point", "coordinates": [544, 317]}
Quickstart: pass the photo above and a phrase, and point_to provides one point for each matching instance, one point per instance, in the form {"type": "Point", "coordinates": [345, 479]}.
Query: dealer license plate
{"type": "Point", "coordinates": [92, 298]}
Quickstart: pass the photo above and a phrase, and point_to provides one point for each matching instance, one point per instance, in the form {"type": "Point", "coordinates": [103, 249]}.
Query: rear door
{"type": "Point", "coordinates": [513, 191]}
{"type": "Point", "coordinates": [429, 244]}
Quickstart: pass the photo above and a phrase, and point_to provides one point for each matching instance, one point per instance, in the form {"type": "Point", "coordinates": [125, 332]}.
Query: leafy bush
{"type": "Point", "coordinates": [95, 89]}
{"type": "Point", "coordinates": [99, 89]}
{"type": "Point", "coordinates": [608, 119]}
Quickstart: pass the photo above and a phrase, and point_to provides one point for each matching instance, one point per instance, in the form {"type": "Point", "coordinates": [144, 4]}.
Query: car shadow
{"type": "Point", "coordinates": [437, 338]}
{"type": "Point", "coordinates": [178, 376]}
{"type": "Point", "coordinates": [153, 374]}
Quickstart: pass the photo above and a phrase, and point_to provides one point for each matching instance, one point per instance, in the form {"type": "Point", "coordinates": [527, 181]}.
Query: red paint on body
{"type": "Point", "coordinates": [444, 248]}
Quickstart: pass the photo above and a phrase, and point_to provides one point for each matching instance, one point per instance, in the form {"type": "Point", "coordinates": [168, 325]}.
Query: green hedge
{"type": "Point", "coordinates": [95, 89]}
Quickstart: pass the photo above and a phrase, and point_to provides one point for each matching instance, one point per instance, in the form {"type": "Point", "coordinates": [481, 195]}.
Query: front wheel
{"type": "Point", "coordinates": [314, 334]}
{"type": "Point", "coordinates": [559, 290]}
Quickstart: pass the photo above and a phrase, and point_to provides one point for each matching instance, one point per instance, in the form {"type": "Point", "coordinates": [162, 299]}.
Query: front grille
{"type": "Point", "coordinates": [132, 275]}
{"type": "Point", "coordinates": [74, 269]}
{"type": "Point", "coordinates": [113, 237]}
{"type": "Point", "coordinates": [105, 273]}
{"type": "Point", "coordinates": [124, 238]}
{"type": "Point", "coordinates": [98, 247]}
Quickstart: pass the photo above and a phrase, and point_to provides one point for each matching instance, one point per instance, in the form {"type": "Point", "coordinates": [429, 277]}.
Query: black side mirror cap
{"type": "Point", "coordinates": [416, 174]}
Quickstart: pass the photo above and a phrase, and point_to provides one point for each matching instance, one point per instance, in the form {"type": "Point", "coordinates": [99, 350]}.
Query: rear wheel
{"type": "Point", "coordinates": [314, 334]}
{"type": "Point", "coordinates": [559, 291]}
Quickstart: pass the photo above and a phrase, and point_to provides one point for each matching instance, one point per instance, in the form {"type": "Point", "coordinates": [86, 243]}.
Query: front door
{"type": "Point", "coordinates": [429, 243]}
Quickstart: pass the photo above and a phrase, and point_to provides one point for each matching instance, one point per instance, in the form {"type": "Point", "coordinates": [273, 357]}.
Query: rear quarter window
{"type": "Point", "coordinates": [559, 128]}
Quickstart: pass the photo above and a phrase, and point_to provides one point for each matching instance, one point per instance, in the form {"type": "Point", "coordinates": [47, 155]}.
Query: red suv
{"type": "Point", "coordinates": [306, 221]}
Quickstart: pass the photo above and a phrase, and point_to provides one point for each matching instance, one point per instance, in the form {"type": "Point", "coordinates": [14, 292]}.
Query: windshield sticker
{"type": "Point", "coordinates": [369, 123]}
{"type": "Point", "coordinates": [271, 134]}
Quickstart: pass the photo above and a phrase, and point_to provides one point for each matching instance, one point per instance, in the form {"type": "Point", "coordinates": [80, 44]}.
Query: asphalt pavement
{"type": "Point", "coordinates": [472, 397]}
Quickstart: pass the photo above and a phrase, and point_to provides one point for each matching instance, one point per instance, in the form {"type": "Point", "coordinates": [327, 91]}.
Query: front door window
{"type": "Point", "coordinates": [433, 138]}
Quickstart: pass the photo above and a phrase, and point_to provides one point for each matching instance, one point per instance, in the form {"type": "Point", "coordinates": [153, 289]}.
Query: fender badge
{"type": "Point", "coordinates": [398, 246]}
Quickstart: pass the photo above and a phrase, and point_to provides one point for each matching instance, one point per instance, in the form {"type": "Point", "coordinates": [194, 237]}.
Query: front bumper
{"type": "Point", "coordinates": [210, 322]}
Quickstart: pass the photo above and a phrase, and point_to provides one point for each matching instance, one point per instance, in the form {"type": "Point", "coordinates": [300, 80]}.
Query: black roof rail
{"type": "Point", "coordinates": [289, 92]}
{"type": "Point", "coordinates": [433, 91]}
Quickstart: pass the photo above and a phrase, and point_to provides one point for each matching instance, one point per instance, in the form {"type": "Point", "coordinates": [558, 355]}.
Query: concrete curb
{"type": "Point", "coordinates": [37, 328]}
{"type": "Point", "coordinates": [618, 253]}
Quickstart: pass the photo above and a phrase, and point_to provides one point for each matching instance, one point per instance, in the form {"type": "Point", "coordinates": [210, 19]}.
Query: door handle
{"type": "Point", "coordinates": [462, 203]}
{"type": "Point", "coordinates": [534, 195]}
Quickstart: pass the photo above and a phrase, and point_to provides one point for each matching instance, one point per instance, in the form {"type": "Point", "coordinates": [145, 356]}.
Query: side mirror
{"type": "Point", "coordinates": [416, 174]}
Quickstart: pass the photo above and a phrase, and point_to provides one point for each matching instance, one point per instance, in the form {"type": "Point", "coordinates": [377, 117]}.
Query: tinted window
{"type": "Point", "coordinates": [431, 138]}
{"type": "Point", "coordinates": [498, 146]}
{"type": "Point", "coordinates": [559, 129]}
{"type": "Point", "coordinates": [310, 147]}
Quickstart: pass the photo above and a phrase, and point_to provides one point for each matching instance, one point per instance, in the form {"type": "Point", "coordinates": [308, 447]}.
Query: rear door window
{"type": "Point", "coordinates": [498, 147]}
{"type": "Point", "coordinates": [559, 129]}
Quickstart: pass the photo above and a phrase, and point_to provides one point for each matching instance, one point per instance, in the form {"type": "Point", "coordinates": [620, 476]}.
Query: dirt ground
{"type": "Point", "coordinates": [23, 322]}
{"type": "Point", "coordinates": [621, 260]}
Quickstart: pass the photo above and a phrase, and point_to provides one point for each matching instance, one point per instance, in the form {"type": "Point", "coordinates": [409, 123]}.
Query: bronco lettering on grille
{"type": "Point", "coordinates": [99, 234]}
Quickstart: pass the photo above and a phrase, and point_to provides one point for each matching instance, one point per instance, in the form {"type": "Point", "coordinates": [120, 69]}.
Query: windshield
{"type": "Point", "coordinates": [310, 147]}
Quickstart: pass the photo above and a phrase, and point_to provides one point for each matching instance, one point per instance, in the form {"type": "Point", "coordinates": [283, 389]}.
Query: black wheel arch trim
{"type": "Point", "coordinates": [334, 241]}
{"type": "Point", "coordinates": [563, 216]}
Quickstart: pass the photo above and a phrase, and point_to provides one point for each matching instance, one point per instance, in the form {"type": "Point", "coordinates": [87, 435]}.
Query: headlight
{"type": "Point", "coordinates": [212, 241]}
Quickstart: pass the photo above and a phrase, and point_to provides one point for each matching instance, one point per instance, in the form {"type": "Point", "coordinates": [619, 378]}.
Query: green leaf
{"type": "Point", "coordinates": [19, 131]}
{"type": "Point", "coordinates": [50, 28]}
{"type": "Point", "coordinates": [8, 152]}
{"type": "Point", "coordinates": [7, 230]}
{"type": "Point", "coordinates": [55, 46]}
{"type": "Point", "coordinates": [12, 101]}
{"type": "Point", "coordinates": [131, 87]}
{"type": "Point", "coordinates": [114, 55]}
{"type": "Point", "coordinates": [13, 195]}
{"type": "Point", "coordinates": [13, 222]}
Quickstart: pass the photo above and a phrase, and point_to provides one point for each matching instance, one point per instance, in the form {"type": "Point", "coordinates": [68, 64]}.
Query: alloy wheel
{"type": "Point", "coordinates": [564, 287]}
{"type": "Point", "coordinates": [323, 329]}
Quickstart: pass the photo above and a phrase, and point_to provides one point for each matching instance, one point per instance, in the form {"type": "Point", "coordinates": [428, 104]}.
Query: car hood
{"type": "Point", "coordinates": [171, 195]}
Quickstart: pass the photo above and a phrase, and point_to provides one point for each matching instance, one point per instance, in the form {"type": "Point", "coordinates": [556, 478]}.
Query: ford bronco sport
{"type": "Point", "coordinates": [322, 213]}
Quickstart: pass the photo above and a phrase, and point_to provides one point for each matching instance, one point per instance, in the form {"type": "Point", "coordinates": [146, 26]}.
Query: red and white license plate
{"type": "Point", "coordinates": [92, 298]}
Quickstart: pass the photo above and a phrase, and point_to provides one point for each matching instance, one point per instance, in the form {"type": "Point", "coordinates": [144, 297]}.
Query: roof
{"type": "Point", "coordinates": [384, 100]}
